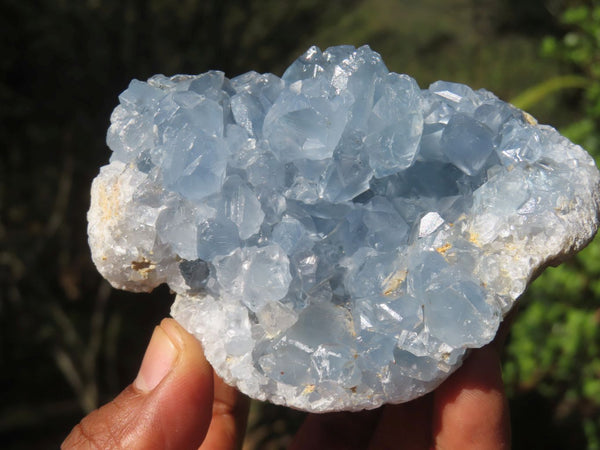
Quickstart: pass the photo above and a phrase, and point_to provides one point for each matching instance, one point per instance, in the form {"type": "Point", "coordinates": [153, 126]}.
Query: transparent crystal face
{"type": "Point", "coordinates": [338, 238]}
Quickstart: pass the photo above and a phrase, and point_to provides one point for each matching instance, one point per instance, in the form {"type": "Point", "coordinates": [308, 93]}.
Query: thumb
{"type": "Point", "coordinates": [169, 405]}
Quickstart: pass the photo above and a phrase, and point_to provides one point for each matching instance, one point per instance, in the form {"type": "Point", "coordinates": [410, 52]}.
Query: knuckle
{"type": "Point", "coordinates": [94, 432]}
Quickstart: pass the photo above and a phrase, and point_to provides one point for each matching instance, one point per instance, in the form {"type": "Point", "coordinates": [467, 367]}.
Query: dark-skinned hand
{"type": "Point", "coordinates": [177, 402]}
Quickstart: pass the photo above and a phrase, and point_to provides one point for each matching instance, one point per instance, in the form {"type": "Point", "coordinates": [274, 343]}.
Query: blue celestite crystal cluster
{"type": "Point", "coordinates": [338, 237]}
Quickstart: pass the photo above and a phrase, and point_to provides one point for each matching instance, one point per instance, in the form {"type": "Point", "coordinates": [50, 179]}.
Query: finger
{"type": "Point", "coordinates": [168, 406]}
{"type": "Point", "coordinates": [470, 409]}
{"type": "Point", "coordinates": [229, 417]}
{"type": "Point", "coordinates": [406, 426]}
{"type": "Point", "coordinates": [336, 431]}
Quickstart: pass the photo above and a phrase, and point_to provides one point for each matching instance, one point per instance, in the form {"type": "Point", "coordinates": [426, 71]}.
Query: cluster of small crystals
{"type": "Point", "coordinates": [338, 237]}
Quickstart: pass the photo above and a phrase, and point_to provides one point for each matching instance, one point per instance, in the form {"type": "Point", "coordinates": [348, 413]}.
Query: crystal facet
{"type": "Point", "coordinates": [338, 238]}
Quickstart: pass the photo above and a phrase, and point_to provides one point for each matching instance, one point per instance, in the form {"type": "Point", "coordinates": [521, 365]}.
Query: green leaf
{"type": "Point", "coordinates": [537, 93]}
{"type": "Point", "coordinates": [576, 15]}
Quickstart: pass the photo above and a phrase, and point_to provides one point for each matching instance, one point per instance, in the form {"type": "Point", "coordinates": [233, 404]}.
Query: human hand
{"type": "Point", "coordinates": [177, 402]}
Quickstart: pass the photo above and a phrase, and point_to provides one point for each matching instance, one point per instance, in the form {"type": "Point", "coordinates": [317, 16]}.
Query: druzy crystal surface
{"type": "Point", "coordinates": [338, 238]}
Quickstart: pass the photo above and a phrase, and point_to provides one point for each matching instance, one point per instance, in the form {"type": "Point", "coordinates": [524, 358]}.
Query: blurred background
{"type": "Point", "coordinates": [69, 342]}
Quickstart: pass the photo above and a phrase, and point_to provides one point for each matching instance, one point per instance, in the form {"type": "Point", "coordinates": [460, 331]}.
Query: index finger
{"type": "Point", "coordinates": [229, 417]}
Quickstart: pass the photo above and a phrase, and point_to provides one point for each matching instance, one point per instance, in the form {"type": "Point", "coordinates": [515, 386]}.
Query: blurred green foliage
{"type": "Point", "coordinates": [579, 48]}
{"type": "Point", "coordinates": [554, 349]}
{"type": "Point", "coordinates": [68, 342]}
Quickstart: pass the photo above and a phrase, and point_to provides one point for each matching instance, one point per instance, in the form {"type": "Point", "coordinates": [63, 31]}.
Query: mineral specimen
{"type": "Point", "coordinates": [337, 238]}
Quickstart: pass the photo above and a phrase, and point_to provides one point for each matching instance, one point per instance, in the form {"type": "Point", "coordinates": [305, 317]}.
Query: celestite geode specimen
{"type": "Point", "coordinates": [337, 238]}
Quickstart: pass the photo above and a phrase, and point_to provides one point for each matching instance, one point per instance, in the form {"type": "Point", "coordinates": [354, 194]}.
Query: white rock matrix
{"type": "Point", "coordinates": [338, 238]}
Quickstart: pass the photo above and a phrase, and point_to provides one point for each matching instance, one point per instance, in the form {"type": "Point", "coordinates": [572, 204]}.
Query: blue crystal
{"type": "Point", "coordinates": [338, 237]}
{"type": "Point", "coordinates": [216, 237]}
{"type": "Point", "coordinates": [467, 143]}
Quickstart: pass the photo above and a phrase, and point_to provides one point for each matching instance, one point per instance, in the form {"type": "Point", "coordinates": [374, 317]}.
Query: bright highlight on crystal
{"type": "Point", "coordinates": [338, 238]}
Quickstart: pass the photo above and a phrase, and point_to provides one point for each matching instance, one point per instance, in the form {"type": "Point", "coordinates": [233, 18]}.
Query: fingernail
{"type": "Point", "coordinates": [158, 361]}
